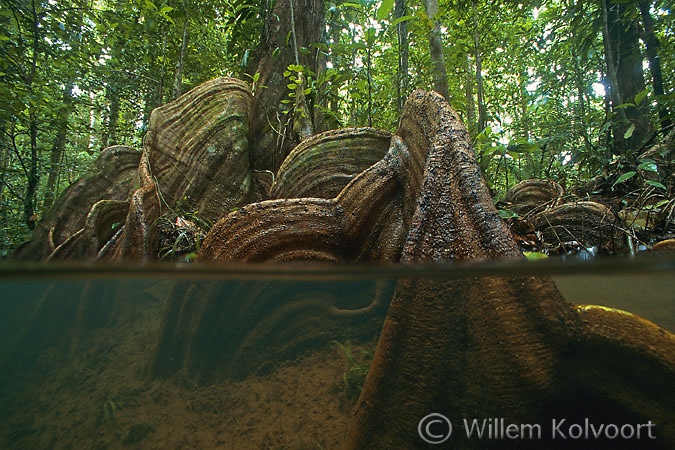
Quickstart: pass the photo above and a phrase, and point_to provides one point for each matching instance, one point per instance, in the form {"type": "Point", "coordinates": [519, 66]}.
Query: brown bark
{"type": "Point", "coordinates": [272, 135]}
{"type": "Point", "coordinates": [113, 179]}
{"type": "Point", "coordinates": [480, 91]}
{"type": "Point", "coordinates": [438, 69]}
{"type": "Point", "coordinates": [496, 347]}
{"type": "Point", "coordinates": [59, 146]}
{"type": "Point", "coordinates": [471, 121]}
{"type": "Point", "coordinates": [475, 347]}
{"type": "Point", "coordinates": [112, 94]}
{"type": "Point", "coordinates": [180, 62]}
{"type": "Point", "coordinates": [335, 220]}
{"type": "Point", "coordinates": [624, 67]}
{"type": "Point", "coordinates": [400, 10]}
{"type": "Point", "coordinates": [195, 162]}
{"type": "Point", "coordinates": [652, 49]}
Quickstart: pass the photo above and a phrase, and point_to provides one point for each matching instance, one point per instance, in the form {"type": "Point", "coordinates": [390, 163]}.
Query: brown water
{"type": "Point", "coordinates": [76, 376]}
{"type": "Point", "coordinates": [651, 296]}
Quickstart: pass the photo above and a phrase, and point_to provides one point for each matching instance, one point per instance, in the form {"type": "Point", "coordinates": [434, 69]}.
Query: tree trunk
{"type": "Point", "coordinates": [178, 75]}
{"type": "Point", "coordinates": [470, 101]}
{"type": "Point", "coordinates": [495, 347]}
{"type": "Point", "coordinates": [110, 129]}
{"type": "Point", "coordinates": [56, 154]}
{"type": "Point", "coordinates": [400, 10]}
{"type": "Point", "coordinates": [31, 170]}
{"type": "Point", "coordinates": [61, 126]}
{"type": "Point", "coordinates": [436, 50]}
{"type": "Point", "coordinates": [271, 135]}
{"type": "Point", "coordinates": [652, 49]}
{"type": "Point", "coordinates": [113, 86]}
{"type": "Point", "coordinates": [524, 103]}
{"type": "Point", "coordinates": [583, 110]}
{"type": "Point", "coordinates": [624, 68]}
{"type": "Point", "coordinates": [154, 95]}
{"type": "Point", "coordinates": [6, 146]}
{"type": "Point", "coordinates": [32, 175]}
{"type": "Point", "coordinates": [480, 92]}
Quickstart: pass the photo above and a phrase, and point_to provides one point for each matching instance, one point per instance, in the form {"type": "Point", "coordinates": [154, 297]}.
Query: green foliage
{"type": "Point", "coordinates": [356, 368]}
{"type": "Point", "coordinates": [535, 256]}
{"type": "Point", "coordinates": [78, 76]}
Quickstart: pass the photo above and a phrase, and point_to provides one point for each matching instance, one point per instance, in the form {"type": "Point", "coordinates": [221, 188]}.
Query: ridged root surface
{"type": "Point", "coordinates": [498, 347]}
{"type": "Point", "coordinates": [213, 331]}
{"type": "Point", "coordinates": [533, 195]}
{"type": "Point", "coordinates": [324, 164]}
{"type": "Point", "coordinates": [73, 228]}
{"type": "Point", "coordinates": [588, 223]}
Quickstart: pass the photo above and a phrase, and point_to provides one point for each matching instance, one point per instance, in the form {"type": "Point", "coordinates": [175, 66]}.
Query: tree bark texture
{"type": "Point", "coordinates": [400, 10]}
{"type": "Point", "coordinates": [480, 91]}
{"type": "Point", "coordinates": [495, 347]}
{"type": "Point", "coordinates": [439, 71]}
{"type": "Point", "coordinates": [180, 62]}
{"type": "Point", "coordinates": [271, 135]}
{"type": "Point", "coordinates": [624, 67]}
{"type": "Point", "coordinates": [492, 346]}
{"type": "Point", "coordinates": [56, 154]}
{"type": "Point", "coordinates": [652, 49]}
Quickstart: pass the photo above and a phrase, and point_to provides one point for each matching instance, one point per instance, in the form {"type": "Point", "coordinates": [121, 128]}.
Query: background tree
{"type": "Point", "coordinates": [559, 89]}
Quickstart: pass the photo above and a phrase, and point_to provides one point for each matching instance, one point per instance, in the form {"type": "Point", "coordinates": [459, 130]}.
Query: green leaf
{"type": "Point", "coordinates": [640, 96]}
{"type": "Point", "coordinates": [320, 46]}
{"type": "Point", "coordinates": [656, 184]}
{"type": "Point", "coordinates": [648, 165]}
{"type": "Point", "coordinates": [384, 9]}
{"type": "Point", "coordinates": [190, 257]}
{"type": "Point", "coordinates": [534, 256]}
{"type": "Point", "coordinates": [629, 131]}
{"type": "Point", "coordinates": [349, 5]}
{"type": "Point", "coordinates": [370, 35]}
{"type": "Point", "coordinates": [168, 19]}
{"type": "Point", "coordinates": [522, 146]}
{"type": "Point", "coordinates": [626, 176]}
{"type": "Point", "coordinates": [506, 214]}
{"type": "Point", "coordinates": [402, 19]}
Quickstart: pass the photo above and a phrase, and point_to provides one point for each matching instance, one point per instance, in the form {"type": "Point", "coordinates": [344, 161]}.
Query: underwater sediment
{"type": "Point", "coordinates": [478, 347]}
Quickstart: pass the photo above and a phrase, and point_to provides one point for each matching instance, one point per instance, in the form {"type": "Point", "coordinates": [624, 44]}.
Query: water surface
{"type": "Point", "coordinates": [77, 344]}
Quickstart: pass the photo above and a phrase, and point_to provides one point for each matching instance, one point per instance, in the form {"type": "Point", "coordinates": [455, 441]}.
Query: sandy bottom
{"type": "Point", "coordinates": [92, 389]}
{"type": "Point", "coordinates": [101, 397]}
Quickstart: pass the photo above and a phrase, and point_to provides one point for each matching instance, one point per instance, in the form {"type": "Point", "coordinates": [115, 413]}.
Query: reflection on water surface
{"type": "Point", "coordinates": [79, 344]}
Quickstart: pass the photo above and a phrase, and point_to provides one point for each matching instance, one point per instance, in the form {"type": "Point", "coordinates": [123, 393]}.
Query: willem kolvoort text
{"type": "Point", "coordinates": [497, 428]}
